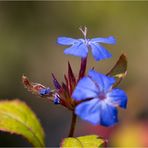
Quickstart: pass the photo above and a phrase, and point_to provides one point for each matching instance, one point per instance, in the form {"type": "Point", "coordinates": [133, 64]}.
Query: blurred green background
{"type": "Point", "coordinates": [28, 33]}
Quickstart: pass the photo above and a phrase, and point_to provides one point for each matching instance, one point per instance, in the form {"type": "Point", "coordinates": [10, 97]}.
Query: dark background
{"type": "Point", "coordinates": [28, 33]}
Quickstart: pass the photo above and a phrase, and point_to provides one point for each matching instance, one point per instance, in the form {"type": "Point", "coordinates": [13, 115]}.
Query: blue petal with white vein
{"type": "Point", "coordinates": [100, 108]}
{"type": "Point", "coordinates": [97, 112]}
{"type": "Point", "coordinates": [80, 47]}
{"type": "Point", "coordinates": [86, 88]}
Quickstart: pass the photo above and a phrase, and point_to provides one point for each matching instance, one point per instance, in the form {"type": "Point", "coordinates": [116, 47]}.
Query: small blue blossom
{"type": "Point", "coordinates": [79, 47]}
{"type": "Point", "coordinates": [99, 99]}
{"type": "Point", "coordinates": [56, 99]}
{"type": "Point", "coordinates": [45, 91]}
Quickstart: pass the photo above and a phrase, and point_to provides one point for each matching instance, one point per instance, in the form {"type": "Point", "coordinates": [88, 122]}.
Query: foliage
{"type": "Point", "coordinates": [17, 118]}
{"type": "Point", "coordinates": [89, 141]}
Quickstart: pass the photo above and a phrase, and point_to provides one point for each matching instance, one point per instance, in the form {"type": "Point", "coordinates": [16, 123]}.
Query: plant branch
{"type": "Point", "coordinates": [73, 125]}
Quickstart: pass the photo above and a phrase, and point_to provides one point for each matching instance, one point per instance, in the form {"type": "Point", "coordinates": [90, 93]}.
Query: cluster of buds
{"type": "Point", "coordinates": [62, 92]}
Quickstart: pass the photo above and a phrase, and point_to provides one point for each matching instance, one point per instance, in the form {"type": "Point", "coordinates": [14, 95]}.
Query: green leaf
{"type": "Point", "coordinates": [91, 141]}
{"type": "Point", "coordinates": [17, 118]}
{"type": "Point", "coordinates": [119, 70]}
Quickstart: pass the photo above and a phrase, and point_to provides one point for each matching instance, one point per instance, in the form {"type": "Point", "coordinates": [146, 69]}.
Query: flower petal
{"type": "Point", "coordinates": [109, 114]}
{"type": "Point", "coordinates": [117, 97]}
{"type": "Point", "coordinates": [78, 49]}
{"type": "Point", "coordinates": [102, 81]}
{"type": "Point", "coordinates": [99, 52]}
{"type": "Point", "coordinates": [85, 88]}
{"type": "Point", "coordinates": [66, 41]}
{"type": "Point", "coordinates": [108, 40]}
{"type": "Point", "coordinates": [89, 111]}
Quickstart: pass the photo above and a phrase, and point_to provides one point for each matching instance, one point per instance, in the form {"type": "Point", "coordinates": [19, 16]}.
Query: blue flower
{"type": "Point", "coordinates": [56, 99]}
{"type": "Point", "coordinates": [45, 91]}
{"type": "Point", "coordinates": [79, 47]}
{"type": "Point", "coordinates": [99, 99]}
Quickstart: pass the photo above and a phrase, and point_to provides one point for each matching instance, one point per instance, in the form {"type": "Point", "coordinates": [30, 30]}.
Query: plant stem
{"type": "Point", "coordinates": [73, 124]}
{"type": "Point", "coordinates": [82, 68]}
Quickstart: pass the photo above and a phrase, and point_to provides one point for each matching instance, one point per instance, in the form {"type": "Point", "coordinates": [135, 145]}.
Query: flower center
{"type": "Point", "coordinates": [85, 41]}
{"type": "Point", "coordinates": [102, 95]}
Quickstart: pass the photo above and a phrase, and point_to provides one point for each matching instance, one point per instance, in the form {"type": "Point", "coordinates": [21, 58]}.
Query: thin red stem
{"type": "Point", "coordinates": [82, 68]}
{"type": "Point", "coordinates": [73, 125]}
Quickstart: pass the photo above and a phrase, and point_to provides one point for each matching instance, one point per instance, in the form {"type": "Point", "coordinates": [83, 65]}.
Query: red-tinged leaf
{"type": "Point", "coordinates": [66, 80]}
{"type": "Point", "coordinates": [68, 85]}
{"type": "Point", "coordinates": [119, 70]}
{"type": "Point", "coordinates": [71, 79]}
{"type": "Point", "coordinates": [61, 89]}
{"type": "Point", "coordinates": [55, 82]}
{"type": "Point", "coordinates": [71, 75]}
{"type": "Point", "coordinates": [65, 88]}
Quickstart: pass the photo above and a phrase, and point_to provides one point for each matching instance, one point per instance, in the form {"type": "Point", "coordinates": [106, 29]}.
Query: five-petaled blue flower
{"type": "Point", "coordinates": [99, 99]}
{"type": "Point", "coordinates": [80, 46]}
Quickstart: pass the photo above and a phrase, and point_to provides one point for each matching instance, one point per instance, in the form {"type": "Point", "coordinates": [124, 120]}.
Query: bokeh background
{"type": "Point", "coordinates": [28, 33]}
